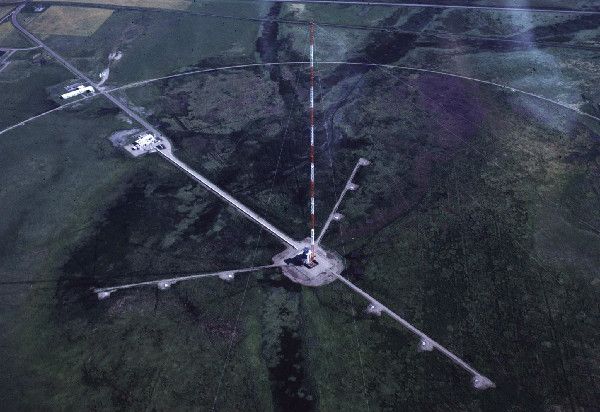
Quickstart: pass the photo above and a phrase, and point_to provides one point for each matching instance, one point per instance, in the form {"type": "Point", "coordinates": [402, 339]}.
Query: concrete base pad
{"type": "Point", "coordinates": [329, 265]}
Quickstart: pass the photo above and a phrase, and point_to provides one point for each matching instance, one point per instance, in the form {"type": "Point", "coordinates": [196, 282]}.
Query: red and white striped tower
{"type": "Point", "coordinates": [312, 254]}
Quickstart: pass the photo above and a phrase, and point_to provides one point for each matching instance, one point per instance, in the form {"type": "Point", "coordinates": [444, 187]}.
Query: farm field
{"type": "Point", "coordinates": [159, 4]}
{"type": "Point", "coordinates": [68, 21]}
{"type": "Point", "coordinates": [170, 41]}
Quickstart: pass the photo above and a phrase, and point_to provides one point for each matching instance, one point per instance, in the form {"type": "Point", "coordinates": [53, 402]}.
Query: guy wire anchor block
{"type": "Point", "coordinates": [363, 162]}
{"type": "Point", "coordinates": [162, 285]}
{"type": "Point", "coordinates": [352, 186]}
{"type": "Point", "coordinates": [227, 276]}
{"type": "Point", "coordinates": [373, 309]}
{"type": "Point", "coordinates": [480, 382]}
{"type": "Point", "coordinates": [103, 294]}
{"type": "Point", "coordinates": [425, 345]}
{"type": "Point", "coordinates": [337, 217]}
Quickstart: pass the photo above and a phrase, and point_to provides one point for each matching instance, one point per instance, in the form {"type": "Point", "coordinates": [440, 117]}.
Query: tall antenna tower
{"type": "Point", "coordinates": [312, 254]}
{"type": "Point", "coordinates": [297, 262]}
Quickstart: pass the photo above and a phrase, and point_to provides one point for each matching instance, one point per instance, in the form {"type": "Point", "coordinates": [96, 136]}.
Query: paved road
{"type": "Point", "coordinates": [4, 60]}
{"type": "Point", "coordinates": [79, 74]}
{"type": "Point", "coordinates": [14, 49]}
{"type": "Point", "coordinates": [440, 6]}
{"type": "Point", "coordinates": [167, 153]}
{"type": "Point", "coordinates": [6, 55]}
{"type": "Point", "coordinates": [170, 281]}
{"type": "Point", "coordinates": [361, 162]}
{"type": "Point", "coordinates": [481, 379]}
{"type": "Point", "coordinates": [3, 66]}
{"type": "Point", "coordinates": [6, 16]}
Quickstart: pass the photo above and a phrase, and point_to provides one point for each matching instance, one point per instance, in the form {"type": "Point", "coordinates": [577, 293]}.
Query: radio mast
{"type": "Point", "coordinates": [312, 255]}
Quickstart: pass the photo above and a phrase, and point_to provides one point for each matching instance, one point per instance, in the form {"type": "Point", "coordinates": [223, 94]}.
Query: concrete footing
{"type": "Point", "coordinates": [373, 309]}
{"type": "Point", "coordinates": [425, 345]}
{"type": "Point", "coordinates": [103, 295]}
{"type": "Point", "coordinates": [330, 264]}
{"type": "Point", "coordinates": [480, 382]}
{"type": "Point", "coordinates": [227, 277]}
{"type": "Point", "coordinates": [164, 285]}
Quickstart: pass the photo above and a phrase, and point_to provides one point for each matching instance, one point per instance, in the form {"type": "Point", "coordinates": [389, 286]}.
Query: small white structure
{"type": "Point", "coordinates": [145, 141]}
{"type": "Point", "coordinates": [103, 295]}
{"type": "Point", "coordinates": [227, 276]}
{"type": "Point", "coordinates": [480, 382]}
{"type": "Point", "coordinates": [374, 309]}
{"type": "Point", "coordinates": [425, 345]}
{"type": "Point", "coordinates": [163, 285]}
{"type": "Point", "coordinates": [81, 89]}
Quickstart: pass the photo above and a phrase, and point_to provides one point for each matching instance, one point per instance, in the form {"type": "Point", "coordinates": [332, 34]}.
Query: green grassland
{"type": "Point", "coordinates": [232, 126]}
{"type": "Point", "coordinates": [155, 44]}
{"type": "Point", "coordinates": [24, 84]}
{"type": "Point", "coordinates": [10, 37]}
{"type": "Point", "coordinates": [478, 220]}
{"type": "Point", "coordinates": [496, 259]}
{"type": "Point", "coordinates": [565, 73]}
{"type": "Point", "coordinates": [96, 217]}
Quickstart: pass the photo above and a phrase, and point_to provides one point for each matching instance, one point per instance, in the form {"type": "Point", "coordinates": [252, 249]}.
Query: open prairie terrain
{"type": "Point", "coordinates": [159, 4]}
{"type": "Point", "coordinates": [478, 219]}
{"type": "Point", "coordinates": [154, 44]}
{"type": "Point", "coordinates": [9, 37]}
{"type": "Point", "coordinates": [68, 21]}
{"type": "Point", "coordinates": [24, 82]}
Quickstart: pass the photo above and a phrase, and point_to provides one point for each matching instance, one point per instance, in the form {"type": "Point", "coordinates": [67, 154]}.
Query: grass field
{"type": "Point", "coordinates": [426, 229]}
{"type": "Point", "coordinates": [10, 37]}
{"type": "Point", "coordinates": [158, 4]}
{"type": "Point", "coordinates": [478, 220]}
{"type": "Point", "coordinates": [68, 21]}
{"type": "Point", "coordinates": [24, 84]}
{"type": "Point", "coordinates": [155, 44]}
{"type": "Point", "coordinates": [80, 191]}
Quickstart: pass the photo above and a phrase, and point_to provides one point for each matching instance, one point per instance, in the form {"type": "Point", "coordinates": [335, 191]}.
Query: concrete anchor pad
{"type": "Point", "coordinates": [480, 382]}
{"type": "Point", "coordinates": [164, 285]}
{"type": "Point", "coordinates": [103, 295]}
{"type": "Point", "coordinates": [425, 345]}
{"type": "Point", "coordinates": [373, 309]}
{"type": "Point", "coordinates": [330, 265]}
{"type": "Point", "coordinates": [227, 276]}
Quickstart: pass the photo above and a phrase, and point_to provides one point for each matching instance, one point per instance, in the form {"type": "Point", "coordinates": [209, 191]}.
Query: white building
{"type": "Point", "coordinates": [145, 141]}
{"type": "Point", "coordinates": [76, 92]}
